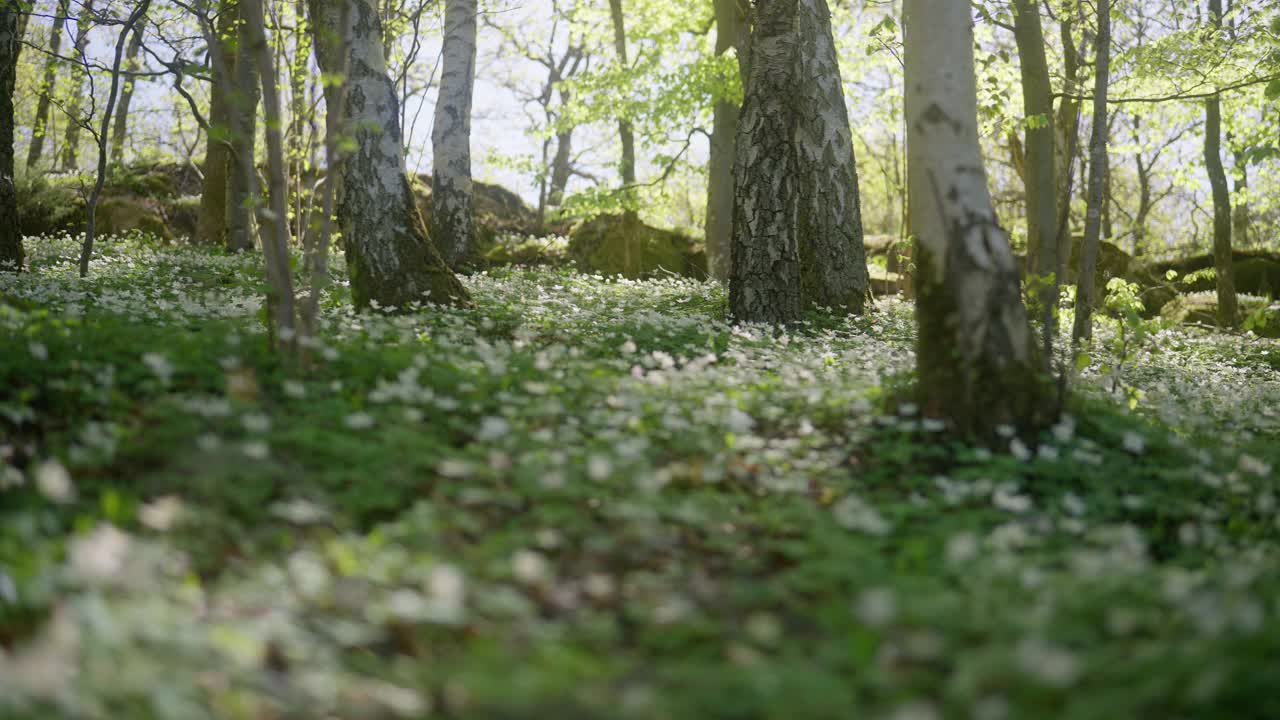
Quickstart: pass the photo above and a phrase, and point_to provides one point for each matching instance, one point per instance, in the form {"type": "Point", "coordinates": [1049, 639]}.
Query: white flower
{"type": "Point", "coordinates": [1007, 498]}
{"type": "Point", "coordinates": [294, 389]}
{"type": "Point", "coordinates": [876, 607]}
{"type": "Point", "coordinates": [1251, 464]}
{"type": "Point", "coordinates": [961, 548]}
{"type": "Point", "coordinates": [54, 482]}
{"type": "Point", "coordinates": [161, 513]}
{"type": "Point", "coordinates": [1050, 665]}
{"type": "Point", "coordinates": [492, 428]}
{"type": "Point", "coordinates": [1134, 443]}
{"type": "Point", "coordinates": [628, 347]}
{"type": "Point", "coordinates": [256, 422]}
{"type": "Point", "coordinates": [598, 467]}
{"type": "Point", "coordinates": [159, 365]}
{"type": "Point", "coordinates": [529, 567]}
{"type": "Point", "coordinates": [1019, 449]}
{"type": "Point", "coordinates": [255, 450]}
{"type": "Point", "coordinates": [38, 351]}
{"type": "Point", "coordinates": [359, 421]}
{"type": "Point", "coordinates": [854, 514]}
{"type": "Point", "coordinates": [98, 557]}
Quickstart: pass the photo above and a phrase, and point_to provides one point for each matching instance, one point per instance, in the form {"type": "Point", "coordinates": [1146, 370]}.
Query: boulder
{"type": "Point", "coordinates": [499, 212]}
{"type": "Point", "coordinates": [597, 246]}
{"type": "Point", "coordinates": [1202, 308]}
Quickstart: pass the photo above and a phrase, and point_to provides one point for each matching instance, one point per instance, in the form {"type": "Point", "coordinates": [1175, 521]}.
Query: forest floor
{"type": "Point", "coordinates": [589, 498]}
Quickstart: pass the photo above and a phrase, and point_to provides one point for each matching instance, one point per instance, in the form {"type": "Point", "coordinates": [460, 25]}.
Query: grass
{"type": "Point", "coordinates": [590, 498]}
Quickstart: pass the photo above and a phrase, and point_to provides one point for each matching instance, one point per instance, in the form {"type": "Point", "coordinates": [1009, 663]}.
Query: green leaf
{"type": "Point", "coordinates": [1273, 90]}
{"type": "Point", "coordinates": [1083, 360]}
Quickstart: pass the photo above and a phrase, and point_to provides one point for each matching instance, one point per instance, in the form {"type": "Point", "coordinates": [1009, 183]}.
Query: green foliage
{"type": "Point", "coordinates": [589, 498]}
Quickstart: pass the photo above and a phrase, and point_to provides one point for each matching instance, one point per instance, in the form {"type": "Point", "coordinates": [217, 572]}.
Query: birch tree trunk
{"type": "Point", "coordinates": [211, 228]}
{"type": "Point", "coordinates": [974, 349]}
{"type": "Point", "coordinates": [1227, 310]}
{"type": "Point", "coordinates": [75, 103]}
{"type": "Point", "coordinates": [452, 213]}
{"type": "Point", "coordinates": [389, 259]}
{"type": "Point", "coordinates": [731, 33]}
{"type": "Point", "coordinates": [797, 191]}
{"type": "Point", "coordinates": [121, 129]}
{"type": "Point", "coordinates": [40, 127]}
{"type": "Point", "coordinates": [11, 256]}
{"type": "Point", "coordinates": [1040, 175]}
{"type": "Point", "coordinates": [627, 166]}
{"type": "Point", "coordinates": [833, 265]}
{"type": "Point", "coordinates": [1096, 190]}
{"type": "Point", "coordinates": [243, 109]}
{"type": "Point", "coordinates": [764, 280]}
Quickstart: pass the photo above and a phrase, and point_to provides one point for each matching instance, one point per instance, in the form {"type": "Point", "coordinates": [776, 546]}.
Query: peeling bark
{"type": "Point", "coordinates": [389, 259]}
{"type": "Point", "coordinates": [974, 349]}
{"type": "Point", "coordinates": [452, 212]}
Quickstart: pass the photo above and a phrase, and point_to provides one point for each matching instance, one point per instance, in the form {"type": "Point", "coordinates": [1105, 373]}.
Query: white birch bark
{"type": "Point", "coordinates": [974, 348]}
{"type": "Point", "coordinates": [389, 259]}
{"type": "Point", "coordinates": [452, 214]}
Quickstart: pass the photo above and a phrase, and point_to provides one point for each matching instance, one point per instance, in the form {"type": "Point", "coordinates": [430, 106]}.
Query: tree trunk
{"type": "Point", "coordinates": [833, 266]}
{"type": "Point", "coordinates": [731, 33]}
{"type": "Point", "coordinates": [1240, 214]}
{"type": "Point", "coordinates": [974, 349]}
{"type": "Point", "coordinates": [298, 112]}
{"type": "Point", "coordinates": [1040, 177]}
{"type": "Point", "coordinates": [273, 222]}
{"type": "Point", "coordinates": [1227, 310]}
{"type": "Point", "coordinates": [121, 130]}
{"type": "Point", "coordinates": [561, 168]}
{"type": "Point", "coordinates": [243, 106]}
{"type": "Point", "coordinates": [390, 260]}
{"type": "Point", "coordinates": [91, 205]}
{"type": "Point", "coordinates": [211, 229]}
{"type": "Point", "coordinates": [764, 280]}
{"type": "Point", "coordinates": [1095, 193]}
{"type": "Point", "coordinates": [630, 219]}
{"type": "Point", "coordinates": [75, 104]}
{"type": "Point", "coordinates": [11, 256]}
{"type": "Point", "coordinates": [1067, 127]}
{"type": "Point", "coordinates": [40, 127]}
{"type": "Point", "coordinates": [452, 213]}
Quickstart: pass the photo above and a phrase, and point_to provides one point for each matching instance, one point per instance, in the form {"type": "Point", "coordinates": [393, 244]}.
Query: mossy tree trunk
{"type": "Point", "coordinates": [389, 259]}
{"type": "Point", "coordinates": [764, 280]}
{"type": "Point", "coordinates": [1096, 190]}
{"type": "Point", "coordinates": [211, 228]}
{"type": "Point", "coordinates": [10, 44]}
{"type": "Point", "coordinates": [243, 113]}
{"type": "Point", "coordinates": [452, 209]}
{"type": "Point", "coordinates": [974, 349]}
{"type": "Point", "coordinates": [732, 32]}
{"type": "Point", "coordinates": [1227, 308]}
{"type": "Point", "coordinates": [44, 102]}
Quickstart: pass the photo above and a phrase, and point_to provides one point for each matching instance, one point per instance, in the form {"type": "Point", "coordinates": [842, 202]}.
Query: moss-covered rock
{"type": "Point", "coordinates": [1202, 308]}
{"type": "Point", "coordinates": [498, 213]}
{"type": "Point", "coordinates": [121, 215]}
{"type": "Point", "coordinates": [598, 245]}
